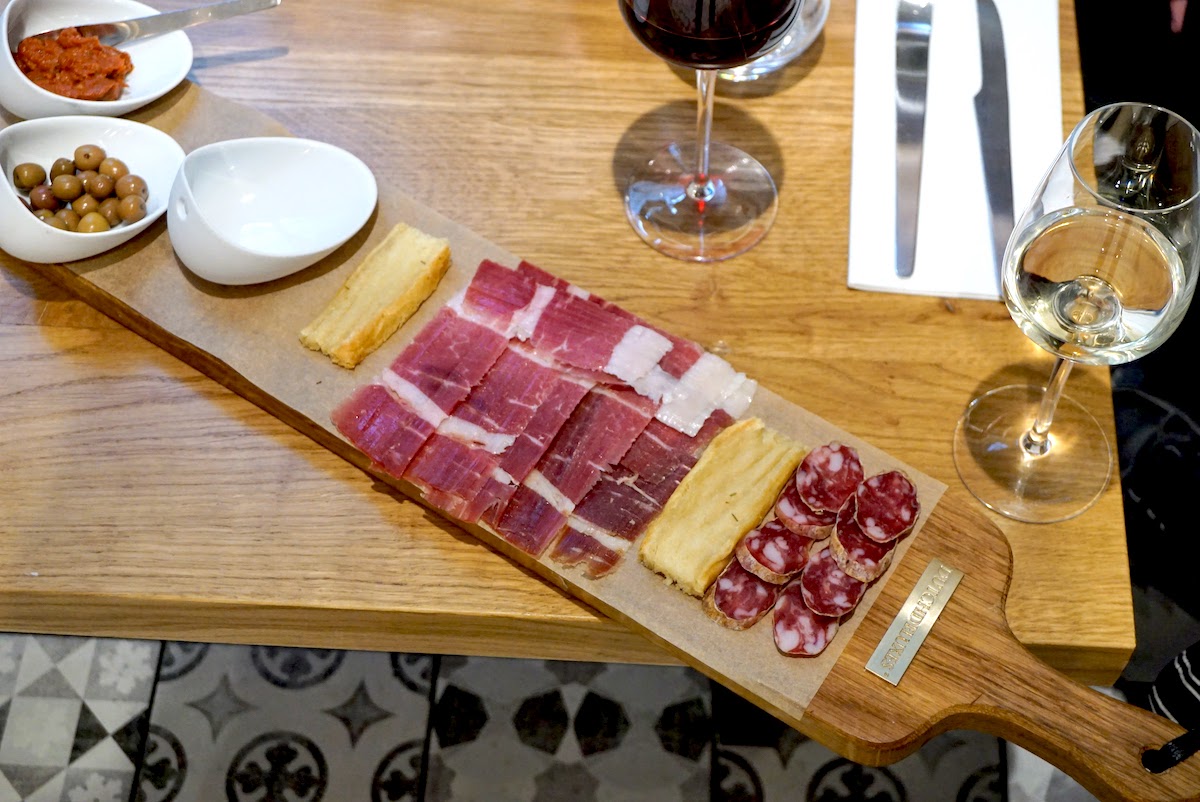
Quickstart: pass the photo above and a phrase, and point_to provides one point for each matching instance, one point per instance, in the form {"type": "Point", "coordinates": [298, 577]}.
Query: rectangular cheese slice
{"type": "Point", "coordinates": [379, 296]}
{"type": "Point", "coordinates": [728, 493]}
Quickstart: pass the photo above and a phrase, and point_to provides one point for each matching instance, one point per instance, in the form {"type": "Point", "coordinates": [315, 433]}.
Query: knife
{"type": "Point", "coordinates": [991, 114]}
{"type": "Point", "coordinates": [914, 21]}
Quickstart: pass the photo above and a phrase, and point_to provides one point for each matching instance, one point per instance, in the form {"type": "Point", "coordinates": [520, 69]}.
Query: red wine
{"type": "Point", "coordinates": [709, 34]}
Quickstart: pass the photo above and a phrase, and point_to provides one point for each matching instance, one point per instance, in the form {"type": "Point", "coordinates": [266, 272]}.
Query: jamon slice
{"type": "Point", "coordinates": [456, 464]}
{"type": "Point", "coordinates": [827, 476]}
{"type": "Point", "coordinates": [738, 599]}
{"type": "Point", "coordinates": [626, 498]}
{"type": "Point", "coordinates": [708, 384]}
{"type": "Point", "coordinates": [393, 418]}
{"type": "Point", "coordinates": [496, 293]}
{"type": "Point", "coordinates": [594, 438]}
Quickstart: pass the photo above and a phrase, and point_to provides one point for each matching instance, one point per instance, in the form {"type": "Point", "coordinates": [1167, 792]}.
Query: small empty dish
{"type": "Point", "coordinates": [147, 152]}
{"type": "Point", "coordinates": [245, 211]}
{"type": "Point", "coordinates": [159, 63]}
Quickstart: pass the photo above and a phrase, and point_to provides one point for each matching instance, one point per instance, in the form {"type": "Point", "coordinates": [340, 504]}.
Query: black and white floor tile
{"type": "Point", "coordinates": [275, 724]}
{"type": "Point", "coordinates": [73, 716]}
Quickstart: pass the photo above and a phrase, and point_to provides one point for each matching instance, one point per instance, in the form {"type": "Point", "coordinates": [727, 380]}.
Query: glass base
{"type": "Point", "coordinates": [1055, 486]}
{"type": "Point", "coordinates": [737, 213]}
{"type": "Point", "coordinates": [809, 22]}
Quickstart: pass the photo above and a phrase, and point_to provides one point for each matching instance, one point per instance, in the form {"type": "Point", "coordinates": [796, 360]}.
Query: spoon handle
{"type": "Point", "coordinates": [115, 33]}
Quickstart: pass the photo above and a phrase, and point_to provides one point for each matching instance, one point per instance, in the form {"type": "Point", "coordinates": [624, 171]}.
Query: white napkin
{"type": "Point", "coordinates": [954, 247]}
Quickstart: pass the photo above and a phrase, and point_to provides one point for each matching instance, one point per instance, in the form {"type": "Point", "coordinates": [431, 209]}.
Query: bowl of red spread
{"type": "Point", "coordinates": [74, 74]}
{"type": "Point", "coordinates": [73, 168]}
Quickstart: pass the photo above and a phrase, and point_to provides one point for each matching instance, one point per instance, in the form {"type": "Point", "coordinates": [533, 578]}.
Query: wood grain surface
{"type": "Point", "coordinates": [142, 499]}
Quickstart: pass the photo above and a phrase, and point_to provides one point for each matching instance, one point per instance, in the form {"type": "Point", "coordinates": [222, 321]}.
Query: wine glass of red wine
{"type": "Point", "coordinates": [704, 201]}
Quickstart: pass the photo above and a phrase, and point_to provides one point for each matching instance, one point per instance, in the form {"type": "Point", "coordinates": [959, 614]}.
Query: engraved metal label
{"type": "Point", "coordinates": [916, 617]}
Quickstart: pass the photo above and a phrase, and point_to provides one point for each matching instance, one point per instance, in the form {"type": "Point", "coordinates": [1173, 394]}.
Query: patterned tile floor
{"type": "Point", "coordinates": [95, 720]}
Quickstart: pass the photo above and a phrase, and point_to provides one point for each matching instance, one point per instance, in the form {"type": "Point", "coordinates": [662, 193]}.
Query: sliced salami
{"type": "Point", "coordinates": [827, 476]}
{"type": "Point", "coordinates": [738, 599]}
{"type": "Point", "coordinates": [797, 629]}
{"type": "Point", "coordinates": [773, 552]}
{"type": "Point", "coordinates": [793, 513]}
{"type": "Point", "coordinates": [827, 589]}
{"type": "Point", "coordinates": [855, 553]}
{"type": "Point", "coordinates": [887, 506]}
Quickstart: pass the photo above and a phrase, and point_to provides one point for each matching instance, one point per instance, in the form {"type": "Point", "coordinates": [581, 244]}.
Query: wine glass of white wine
{"type": "Point", "coordinates": [1099, 270]}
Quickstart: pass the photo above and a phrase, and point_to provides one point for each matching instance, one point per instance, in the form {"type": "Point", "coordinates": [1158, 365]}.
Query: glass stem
{"type": "Point", "coordinates": [1036, 441]}
{"type": "Point", "coordinates": [701, 187]}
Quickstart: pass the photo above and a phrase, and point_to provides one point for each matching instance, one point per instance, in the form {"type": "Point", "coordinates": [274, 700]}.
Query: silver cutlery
{"type": "Point", "coordinates": [115, 33]}
{"type": "Point", "coordinates": [914, 22]}
{"type": "Point", "coordinates": [991, 114]}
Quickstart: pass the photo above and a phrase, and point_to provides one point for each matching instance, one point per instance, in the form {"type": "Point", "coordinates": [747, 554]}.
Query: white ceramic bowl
{"type": "Point", "coordinates": [148, 152]}
{"type": "Point", "coordinates": [159, 63]}
{"type": "Point", "coordinates": [245, 211]}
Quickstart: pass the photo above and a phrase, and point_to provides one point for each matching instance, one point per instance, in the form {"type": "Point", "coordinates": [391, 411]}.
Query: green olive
{"type": "Point", "coordinates": [113, 168]}
{"type": "Point", "coordinates": [42, 214]}
{"type": "Point", "coordinates": [132, 208]}
{"type": "Point", "coordinates": [28, 175]}
{"type": "Point", "coordinates": [111, 209]}
{"type": "Point", "coordinates": [92, 223]}
{"type": "Point", "coordinates": [70, 217]}
{"type": "Point", "coordinates": [66, 187]}
{"type": "Point", "coordinates": [132, 185]}
{"type": "Point", "coordinates": [61, 167]}
{"type": "Point", "coordinates": [88, 157]}
{"type": "Point", "coordinates": [99, 186]}
{"type": "Point", "coordinates": [42, 197]}
{"type": "Point", "coordinates": [55, 222]}
{"type": "Point", "coordinates": [85, 204]}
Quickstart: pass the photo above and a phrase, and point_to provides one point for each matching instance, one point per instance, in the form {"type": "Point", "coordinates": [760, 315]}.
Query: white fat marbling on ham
{"type": "Point", "coordinates": [525, 321]}
{"type": "Point", "coordinates": [708, 385]}
{"type": "Point", "coordinates": [639, 351]}
{"type": "Point", "coordinates": [538, 483]}
{"type": "Point", "coordinates": [474, 434]}
{"type": "Point", "coordinates": [410, 394]}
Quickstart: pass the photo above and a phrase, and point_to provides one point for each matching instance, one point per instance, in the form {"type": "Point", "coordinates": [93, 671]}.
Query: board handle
{"type": "Point", "coordinates": [1096, 739]}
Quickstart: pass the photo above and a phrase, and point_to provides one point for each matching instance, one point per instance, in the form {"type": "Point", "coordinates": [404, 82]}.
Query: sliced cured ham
{"type": "Point", "coordinates": [887, 506]}
{"type": "Point", "coordinates": [738, 599]}
{"type": "Point", "coordinates": [798, 517]}
{"type": "Point", "coordinates": [797, 629]}
{"type": "Point", "coordinates": [423, 384]}
{"type": "Point", "coordinates": [626, 498]}
{"type": "Point", "coordinates": [494, 296]}
{"type": "Point", "coordinates": [855, 553]}
{"type": "Point", "coordinates": [595, 437]}
{"type": "Point", "coordinates": [709, 384]}
{"type": "Point", "coordinates": [457, 463]}
{"type": "Point", "coordinates": [827, 589]}
{"type": "Point", "coordinates": [827, 476]}
{"type": "Point", "coordinates": [773, 552]}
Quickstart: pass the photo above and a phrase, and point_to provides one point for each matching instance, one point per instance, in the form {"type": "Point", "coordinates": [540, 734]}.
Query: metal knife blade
{"type": "Point", "coordinates": [991, 113]}
{"type": "Point", "coordinates": [914, 23]}
{"type": "Point", "coordinates": [115, 33]}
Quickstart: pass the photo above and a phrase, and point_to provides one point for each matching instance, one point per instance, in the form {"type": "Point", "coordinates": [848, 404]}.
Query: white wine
{"type": "Point", "coordinates": [1098, 286]}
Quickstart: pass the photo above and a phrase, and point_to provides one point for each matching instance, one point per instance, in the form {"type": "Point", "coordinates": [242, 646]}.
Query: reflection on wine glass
{"type": "Point", "coordinates": [704, 201]}
{"type": "Point", "coordinates": [806, 26]}
{"type": "Point", "coordinates": [1100, 270]}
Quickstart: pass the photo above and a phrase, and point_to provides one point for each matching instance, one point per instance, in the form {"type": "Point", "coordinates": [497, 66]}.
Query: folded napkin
{"type": "Point", "coordinates": [954, 247]}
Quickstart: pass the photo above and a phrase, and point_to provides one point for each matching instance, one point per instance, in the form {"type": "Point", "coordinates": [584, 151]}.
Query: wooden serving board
{"type": "Point", "coordinates": [971, 672]}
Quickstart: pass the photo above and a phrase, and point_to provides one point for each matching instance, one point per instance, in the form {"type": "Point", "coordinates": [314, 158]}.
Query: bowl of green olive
{"type": "Point", "coordinates": [77, 186]}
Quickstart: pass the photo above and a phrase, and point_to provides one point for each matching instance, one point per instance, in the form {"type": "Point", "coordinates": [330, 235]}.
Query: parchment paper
{"type": "Point", "coordinates": [253, 331]}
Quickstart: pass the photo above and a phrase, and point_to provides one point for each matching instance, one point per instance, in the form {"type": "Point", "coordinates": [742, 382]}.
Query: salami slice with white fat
{"type": "Point", "coordinates": [797, 629]}
{"type": "Point", "coordinates": [827, 476]}
{"type": "Point", "coordinates": [827, 589]}
{"type": "Point", "coordinates": [855, 553]}
{"type": "Point", "coordinates": [773, 552]}
{"type": "Point", "coordinates": [887, 506]}
{"type": "Point", "coordinates": [738, 599]}
{"type": "Point", "coordinates": [793, 513]}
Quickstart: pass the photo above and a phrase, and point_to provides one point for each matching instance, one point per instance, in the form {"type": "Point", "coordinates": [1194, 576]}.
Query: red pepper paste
{"type": "Point", "coordinates": [74, 66]}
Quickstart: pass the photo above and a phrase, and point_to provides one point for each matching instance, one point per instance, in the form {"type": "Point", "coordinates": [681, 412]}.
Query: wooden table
{"type": "Point", "coordinates": [141, 499]}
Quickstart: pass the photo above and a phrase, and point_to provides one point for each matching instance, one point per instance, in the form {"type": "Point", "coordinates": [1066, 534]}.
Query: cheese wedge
{"type": "Point", "coordinates": [379, 296]}
{"type": "Point", "coordinates": [729, 492]}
